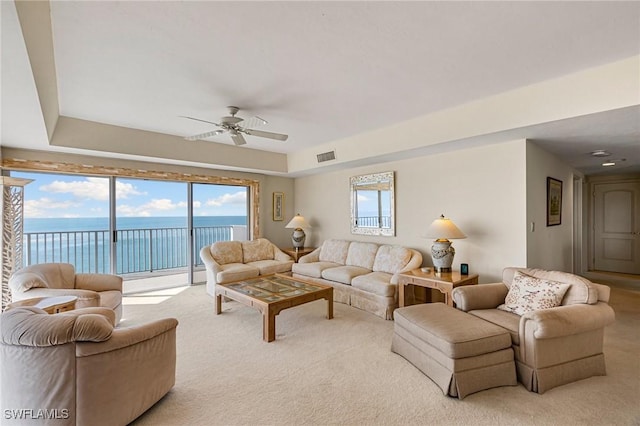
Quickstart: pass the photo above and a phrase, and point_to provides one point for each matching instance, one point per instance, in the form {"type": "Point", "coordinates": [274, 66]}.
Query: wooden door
{"type": "Point", "coordinates": [617, 227]}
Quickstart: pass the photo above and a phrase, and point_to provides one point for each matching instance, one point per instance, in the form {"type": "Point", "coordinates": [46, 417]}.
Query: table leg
{"type": "Point", "coordinates": [329, 307]}
{"type": "Point", "coordinates": [447, 298]}
{"type": "Point", "coordinates": [218, 304]}
{"type": "Point", "coordinates": [268, 326]}
{"type": "Point", "coordinates": [401, 294]}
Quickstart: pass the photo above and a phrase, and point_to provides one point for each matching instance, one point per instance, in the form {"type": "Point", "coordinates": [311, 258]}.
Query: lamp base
{"type": "Point", "coordinates": [298, 238]}
{"type": "Point", "coordinates": [442, 255]}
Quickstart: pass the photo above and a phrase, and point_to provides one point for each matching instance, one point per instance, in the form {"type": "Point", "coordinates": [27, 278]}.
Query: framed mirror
{"type": "Point", "coordinates": [372, 204]}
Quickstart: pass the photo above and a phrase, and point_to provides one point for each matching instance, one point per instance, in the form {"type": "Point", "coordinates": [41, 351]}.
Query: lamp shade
{"type": "Point", "coordinates": [298, 221]}
{"type": "Point", "coordinates": [444, 229]}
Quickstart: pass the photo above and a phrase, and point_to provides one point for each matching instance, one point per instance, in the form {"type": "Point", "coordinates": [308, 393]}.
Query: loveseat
{"type": "Point", "coordinates": [363, 275]}
{"type": "Point", "coordinates": [227, 261]}
{"type": "Point", "coordinates": [61, 279]}
{"type": "Point", "coordinates": [553, 345]}
{"type": "Point", "coordinates": [76, 368]}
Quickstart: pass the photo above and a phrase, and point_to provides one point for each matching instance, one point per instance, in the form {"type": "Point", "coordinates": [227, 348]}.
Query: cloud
{"type": "Point", "coordinates": [93, 188]}
{"type": "Point", "coordinates": [46, 207]}
{"type": "Point", "coordinates": [362, 198]}
{"type": "Point", "coordinates": [239, 198]}
{"type": "Point", "coordinates": [150, 208]}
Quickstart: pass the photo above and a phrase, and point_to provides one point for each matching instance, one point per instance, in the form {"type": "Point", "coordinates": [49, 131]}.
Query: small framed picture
{"type": "Point", "coordinates": [278, 206]}
{"type": "Point", "coordinates": [554, 201]}
{"type": "Point", "coordinates": [464, 269]}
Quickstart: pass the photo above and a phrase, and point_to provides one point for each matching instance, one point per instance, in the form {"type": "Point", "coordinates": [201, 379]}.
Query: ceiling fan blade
{"type": "Point", "coordinates": [238, 139]}
{"type": "Point", "coordinates": [263, 134]}
{"type": "Point", "coordinates": [197, 119]}
{"type": "Point", "coordinates": [204, 135]}
{"type": "Point", "coordinates": [254, 121]}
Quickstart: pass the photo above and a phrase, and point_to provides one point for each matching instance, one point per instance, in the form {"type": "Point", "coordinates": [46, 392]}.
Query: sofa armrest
{"type": "Point", "coordinates": [481, 296]}
{"type": "Point", "coordinates": [109, 314]}
{"type": "Point", "coordinates": [280, 255]}
{"type": "Point", "coordinates": [208, 260]}
{"type": "Point", "coordinates": [566, 320]}
{"type": "Point", "coordinates": [128, 336]}
{"type": "Point", "coordinates": [314, 256]}
{"type": "Point", "coordinates": [98, 282]}
{"type": "Point", "coordinates": [414, 263]}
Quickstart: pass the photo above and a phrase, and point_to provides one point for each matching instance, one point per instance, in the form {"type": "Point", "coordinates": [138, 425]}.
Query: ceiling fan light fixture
{"type": "Point", "coordinates": [600, 153]}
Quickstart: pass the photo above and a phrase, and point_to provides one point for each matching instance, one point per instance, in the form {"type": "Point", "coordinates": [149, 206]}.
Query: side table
{"type": "Point", "coordinates": [297, 254]}
{"type": "Point", "coordinates": [445, 282]}
{"type": "Point", "coordinates": [51, 305]}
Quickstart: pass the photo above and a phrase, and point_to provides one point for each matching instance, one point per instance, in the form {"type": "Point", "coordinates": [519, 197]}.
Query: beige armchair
{"type": "Point", "coordinates": [552, 346]}
{"type": "Point", "coordinates": [60, 279]}
{"type": "Point", "coordinates": [75, 368]}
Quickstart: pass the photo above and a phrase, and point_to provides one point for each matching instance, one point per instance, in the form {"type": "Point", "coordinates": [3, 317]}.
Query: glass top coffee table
{"type": "Point", "coordinates": [270, 294]}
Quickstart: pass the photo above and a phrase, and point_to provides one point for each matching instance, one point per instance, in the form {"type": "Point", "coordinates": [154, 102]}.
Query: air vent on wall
{"type": "Point", "coordinates": [326, 156]}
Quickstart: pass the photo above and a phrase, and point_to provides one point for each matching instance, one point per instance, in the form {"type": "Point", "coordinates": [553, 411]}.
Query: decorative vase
{"type": "Point", "coordinates": [298, 238]}
{"type": "Point", "coordinates": [442, 255]}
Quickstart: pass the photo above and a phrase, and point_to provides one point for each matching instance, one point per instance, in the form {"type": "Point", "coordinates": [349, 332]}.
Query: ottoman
{"type": "Point", "coordinates": [461, 353]}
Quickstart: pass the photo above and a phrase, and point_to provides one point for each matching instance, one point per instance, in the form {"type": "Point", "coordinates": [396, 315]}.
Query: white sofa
{"type": "Point", "coordinates": [363, 275]}
{"type": "Point", "coordinates": [227, 261]}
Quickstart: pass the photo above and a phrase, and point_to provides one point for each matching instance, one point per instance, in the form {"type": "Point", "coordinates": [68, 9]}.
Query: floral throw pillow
{"type": "Point", "coordinates": [529, 293]}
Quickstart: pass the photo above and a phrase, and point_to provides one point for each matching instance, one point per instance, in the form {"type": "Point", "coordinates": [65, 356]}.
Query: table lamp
{"type": "Point", "coordinates": [442, 252]}
{"type": "Point", "coordinates": [298, 222]}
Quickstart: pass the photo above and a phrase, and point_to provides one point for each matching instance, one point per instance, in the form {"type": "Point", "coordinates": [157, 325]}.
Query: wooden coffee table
{"type": "Point", "coordinates": [445, 282]}
{"type": "Point", "coordinates": [271, 294]}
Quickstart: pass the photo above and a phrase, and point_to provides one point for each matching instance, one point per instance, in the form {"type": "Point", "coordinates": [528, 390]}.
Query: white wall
{"type": "Point", "coordinates": [481, 189]}
{"type": "Point", "coordinates": [548, 247]}
{"type": "Point", "coordinates": [275, 231]}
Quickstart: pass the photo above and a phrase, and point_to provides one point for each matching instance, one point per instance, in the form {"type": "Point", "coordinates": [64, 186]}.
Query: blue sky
{"type": "Point", "coordinates": [52, 195]}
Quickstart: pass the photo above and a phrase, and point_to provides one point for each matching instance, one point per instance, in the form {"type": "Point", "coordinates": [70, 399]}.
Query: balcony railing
{"type": "Point", "coordinates": [137, 250]}
{"type": "Point", "coordinates": [374, 221]}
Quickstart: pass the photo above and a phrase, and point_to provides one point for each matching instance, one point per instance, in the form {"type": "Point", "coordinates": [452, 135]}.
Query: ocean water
{"type": "Point", "coordinates": [142, 244]}
{"type": "Point", "coordinates": [32, 225]}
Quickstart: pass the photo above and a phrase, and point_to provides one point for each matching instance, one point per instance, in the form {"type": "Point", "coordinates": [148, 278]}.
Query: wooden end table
{"type": "Point", "coordinates": [445, 282]}
{"type": "Point", "coordinates": [51, 305]}
{"type": "Point", "coordinates": [297, 254]}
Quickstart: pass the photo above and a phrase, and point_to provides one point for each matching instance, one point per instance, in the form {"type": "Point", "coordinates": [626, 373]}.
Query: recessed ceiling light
{"type": "Point", "coordinates": [600, 153]}
{"type": "Point", "coordinates": [613, 162]}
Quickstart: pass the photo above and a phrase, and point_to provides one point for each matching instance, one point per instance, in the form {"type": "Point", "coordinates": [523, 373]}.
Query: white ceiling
{"type": "Point", "coordinates": [318, 71]}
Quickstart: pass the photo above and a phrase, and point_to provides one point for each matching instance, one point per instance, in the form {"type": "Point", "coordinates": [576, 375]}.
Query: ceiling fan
{"type": "Point", "coordinates": [236, 126]}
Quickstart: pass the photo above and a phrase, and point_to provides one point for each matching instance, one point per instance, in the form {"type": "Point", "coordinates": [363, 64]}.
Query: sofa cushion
{"type": "Point", "coordinates": [343, 274]}
{"type": "Point", "coordinates": [375, 282]}
{"type": "Point", "coordinates": [110, 298]}
{"type": "Point", "coordinates": [581, 291]}
{"type": "Point", "coordinates": [224, 252]}
{"type": "Point", "coordinates": [267, 267]}
{"type": "Point", "coordinates": [529, 293]}
{"type": "Point", "coordinates": [260, 249]}
{"type": "Point", "coordinates": [362, 254]}
{"type": "Point", "coordinates": [334, 251]}
{"type": "Point", "coordinates": [391, 259]}
{"type": "Point", "coordinates": [313, 269]}
{"type": "Point", "coordinates": [236, 271]}
{"type": "Point", "coordinates": [504, 319]}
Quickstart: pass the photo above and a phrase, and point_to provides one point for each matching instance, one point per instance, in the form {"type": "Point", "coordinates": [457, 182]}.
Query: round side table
{"type": "Point", "coordinates": [51, 305]}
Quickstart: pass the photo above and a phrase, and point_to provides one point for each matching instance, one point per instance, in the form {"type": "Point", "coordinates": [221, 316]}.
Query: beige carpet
{"type": "Point", "coordinates": [341, 371]}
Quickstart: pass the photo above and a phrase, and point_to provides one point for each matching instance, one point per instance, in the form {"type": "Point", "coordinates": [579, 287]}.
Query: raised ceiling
{"type": "Point", "coordinates": [322, 72]}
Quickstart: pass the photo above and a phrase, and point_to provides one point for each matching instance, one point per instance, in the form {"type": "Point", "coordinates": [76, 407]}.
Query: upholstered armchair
{"type": "Point", "coordinates": [60, 279]}
{"type": "Point", "coordinates": [75, 368]}
{"type": "Point", "coordinates": [555, 345]}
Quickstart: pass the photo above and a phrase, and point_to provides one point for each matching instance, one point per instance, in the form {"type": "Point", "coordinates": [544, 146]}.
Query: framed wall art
{"type": "Point", "coordinates": [278, 206]}
{"type": "Point", "coordinates": [554, 201]}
